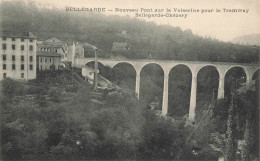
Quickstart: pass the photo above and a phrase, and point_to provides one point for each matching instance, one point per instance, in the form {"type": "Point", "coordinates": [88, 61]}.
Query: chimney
{"type": "Point", "coordinates": [73, 54]}
{"type": "Point", "coordinates": [26, 33]}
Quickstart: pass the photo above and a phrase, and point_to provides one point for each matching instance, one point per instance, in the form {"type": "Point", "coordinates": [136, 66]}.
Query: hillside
{"type": "Point", "coordinates": [253, 39]}
{"type": "Point", "coordinates": [143, 38]}
{"type": "Point", "coordinates": [54, 118]}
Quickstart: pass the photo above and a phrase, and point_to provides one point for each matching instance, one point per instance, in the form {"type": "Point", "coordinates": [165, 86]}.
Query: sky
{"type": "Point", "coordinates": [222, 25]}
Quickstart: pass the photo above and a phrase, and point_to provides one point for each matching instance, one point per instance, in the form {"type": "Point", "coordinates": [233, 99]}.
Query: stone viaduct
{"type": "Point", "coordinates": [167, 65]}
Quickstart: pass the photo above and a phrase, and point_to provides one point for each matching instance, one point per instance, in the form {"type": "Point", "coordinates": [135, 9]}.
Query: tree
{"type": "Point", "coordinates": [11, 88]}
{"type": "Point", "coordinates": [249, 140]}
{"type": "Point", "coordinates": [162, 137]}
{"type": "Point", "coordinates": [231, 143]}
{"type": "Point", "coordinates": [55, 94]}
{"type": "Point", "coordinates": [251, 146]}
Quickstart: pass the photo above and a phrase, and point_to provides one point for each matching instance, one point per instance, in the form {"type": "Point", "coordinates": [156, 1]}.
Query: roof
{"type": "Point", "coordinates": [76, 43]}
{"type": "Point", "coordinates": [82, 44]}
{"type": "Point", "coordinates": [89, 68]}
{"type": "Point", "coordinates": [53, 39]}
{"type": "Point", "coordinates": [250, 86]}
{"type": "Point", "coordinates": [79, 44]}
{"type": "Point", "coordinates": [90, 46]}
{"type": "Point", "coordinates": [47, 54]}
{"type": "Point", "coordinates": [57, 43]}
{"type": "Point", "coordinates": [52, 42]}
{"type": "Point", "coordinates": [15, 34]}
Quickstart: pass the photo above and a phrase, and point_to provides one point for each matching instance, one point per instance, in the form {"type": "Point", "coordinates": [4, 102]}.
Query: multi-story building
{"type": "Point", "coordinates": [47, 60]}
{"type": "Point", "coordinates": [53, 45]}
{"type": "Point", "coordinates": [17, 55]}
{"type": "Point", "coordinates": [67, 50]}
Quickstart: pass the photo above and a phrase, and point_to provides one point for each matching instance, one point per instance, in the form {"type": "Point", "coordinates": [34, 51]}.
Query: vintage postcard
{"type": "Point", "coordinates": [129, 80]}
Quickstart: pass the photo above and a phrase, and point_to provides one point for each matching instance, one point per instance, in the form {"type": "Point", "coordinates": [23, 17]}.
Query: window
{"type": "Point", "coordinates": [31, 40]}
{"type": "Point", "coordinates": [4, 38]}
{"type": "Point", "coordinates": [13, 39]}
{"type": "Point", "coordinates": [4, 75]}
{"type": "Point", "coordinates": [22, 75]}
{"type": "Point", "coordinates": [45, 60]}
{"type": "Point", "coordinates": [22, 66]}
{"type": "Point", "coordinates": [4, 57]}
{"type": "Point", "coordinates": [13, 47]}
{"type": "Point", "coordinates": [41, 60]}
{"type": "Point", "coordinates": [22, 40]}
{"type": "Point", "coordinates": [13, 57]}
{"type": "Point", "coordinates": [22, 58]}
{"type": "Point", "coordinates": [31, 58]}
{"type": "Point", "coordinates": [50, 60]}
{"type": "Point", "coordinates": [13, 66]}
{"type": "Point", "coordinates": [4, 46]}
{"type": "Point", "coordinates": [31, 48]}
{"type": "Point", "coordinates": [4, 66]}
{"type": "Point", "coordinates": [41, 67]}
{"type": "Point", "coordinates": [22, 47]}
{"type": "Point", "coordinates": [31, 67]}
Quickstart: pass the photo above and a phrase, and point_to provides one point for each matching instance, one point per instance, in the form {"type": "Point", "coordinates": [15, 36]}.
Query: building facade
{"type": "Point", "coordinates": [120, 46]}
{"type": "Point", "coordinates": [48, 61]}
{"type": "Point", "coordinates": [88, 73]}
{"type": "Point", "coordinates": [75, 50]}
{"type": "Point", "coordinates": [18, 55]}
{"type": "Point", "coordinates": [67, 50]}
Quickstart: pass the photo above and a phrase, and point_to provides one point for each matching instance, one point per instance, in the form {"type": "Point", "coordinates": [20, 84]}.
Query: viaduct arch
{"type": "Point", "coordinates": [148, 71]}
{"type": "Point", "coordinates": [180, 77]}
{"type": "Point", "coordinates": [128, 76]}
{"type": "Point", "coordinates": [167, 65]}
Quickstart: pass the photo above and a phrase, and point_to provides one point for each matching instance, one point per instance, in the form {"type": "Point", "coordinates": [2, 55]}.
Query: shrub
{"type": "Point", "coordinates": [55, 94]}
{"type": "Point", "coordinates": [11, 88]}
{"type": "Point", "coordinates": [162, 137]}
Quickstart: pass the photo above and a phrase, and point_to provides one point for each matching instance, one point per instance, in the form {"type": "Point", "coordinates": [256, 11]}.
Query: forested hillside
{"type": "Point", "coordinates": [53, 118]}
{"type": "Point", "coordinates": [144, 38]}
{"type": "Point", "coordinates": [252, 39]}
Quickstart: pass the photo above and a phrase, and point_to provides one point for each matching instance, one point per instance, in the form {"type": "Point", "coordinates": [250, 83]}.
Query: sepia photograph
{"type": "Point", "coordinates": [129, 80]}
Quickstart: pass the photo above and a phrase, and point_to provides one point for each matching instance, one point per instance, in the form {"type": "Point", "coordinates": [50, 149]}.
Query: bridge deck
{"type": "Point", "coordinates": [174, 61]}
